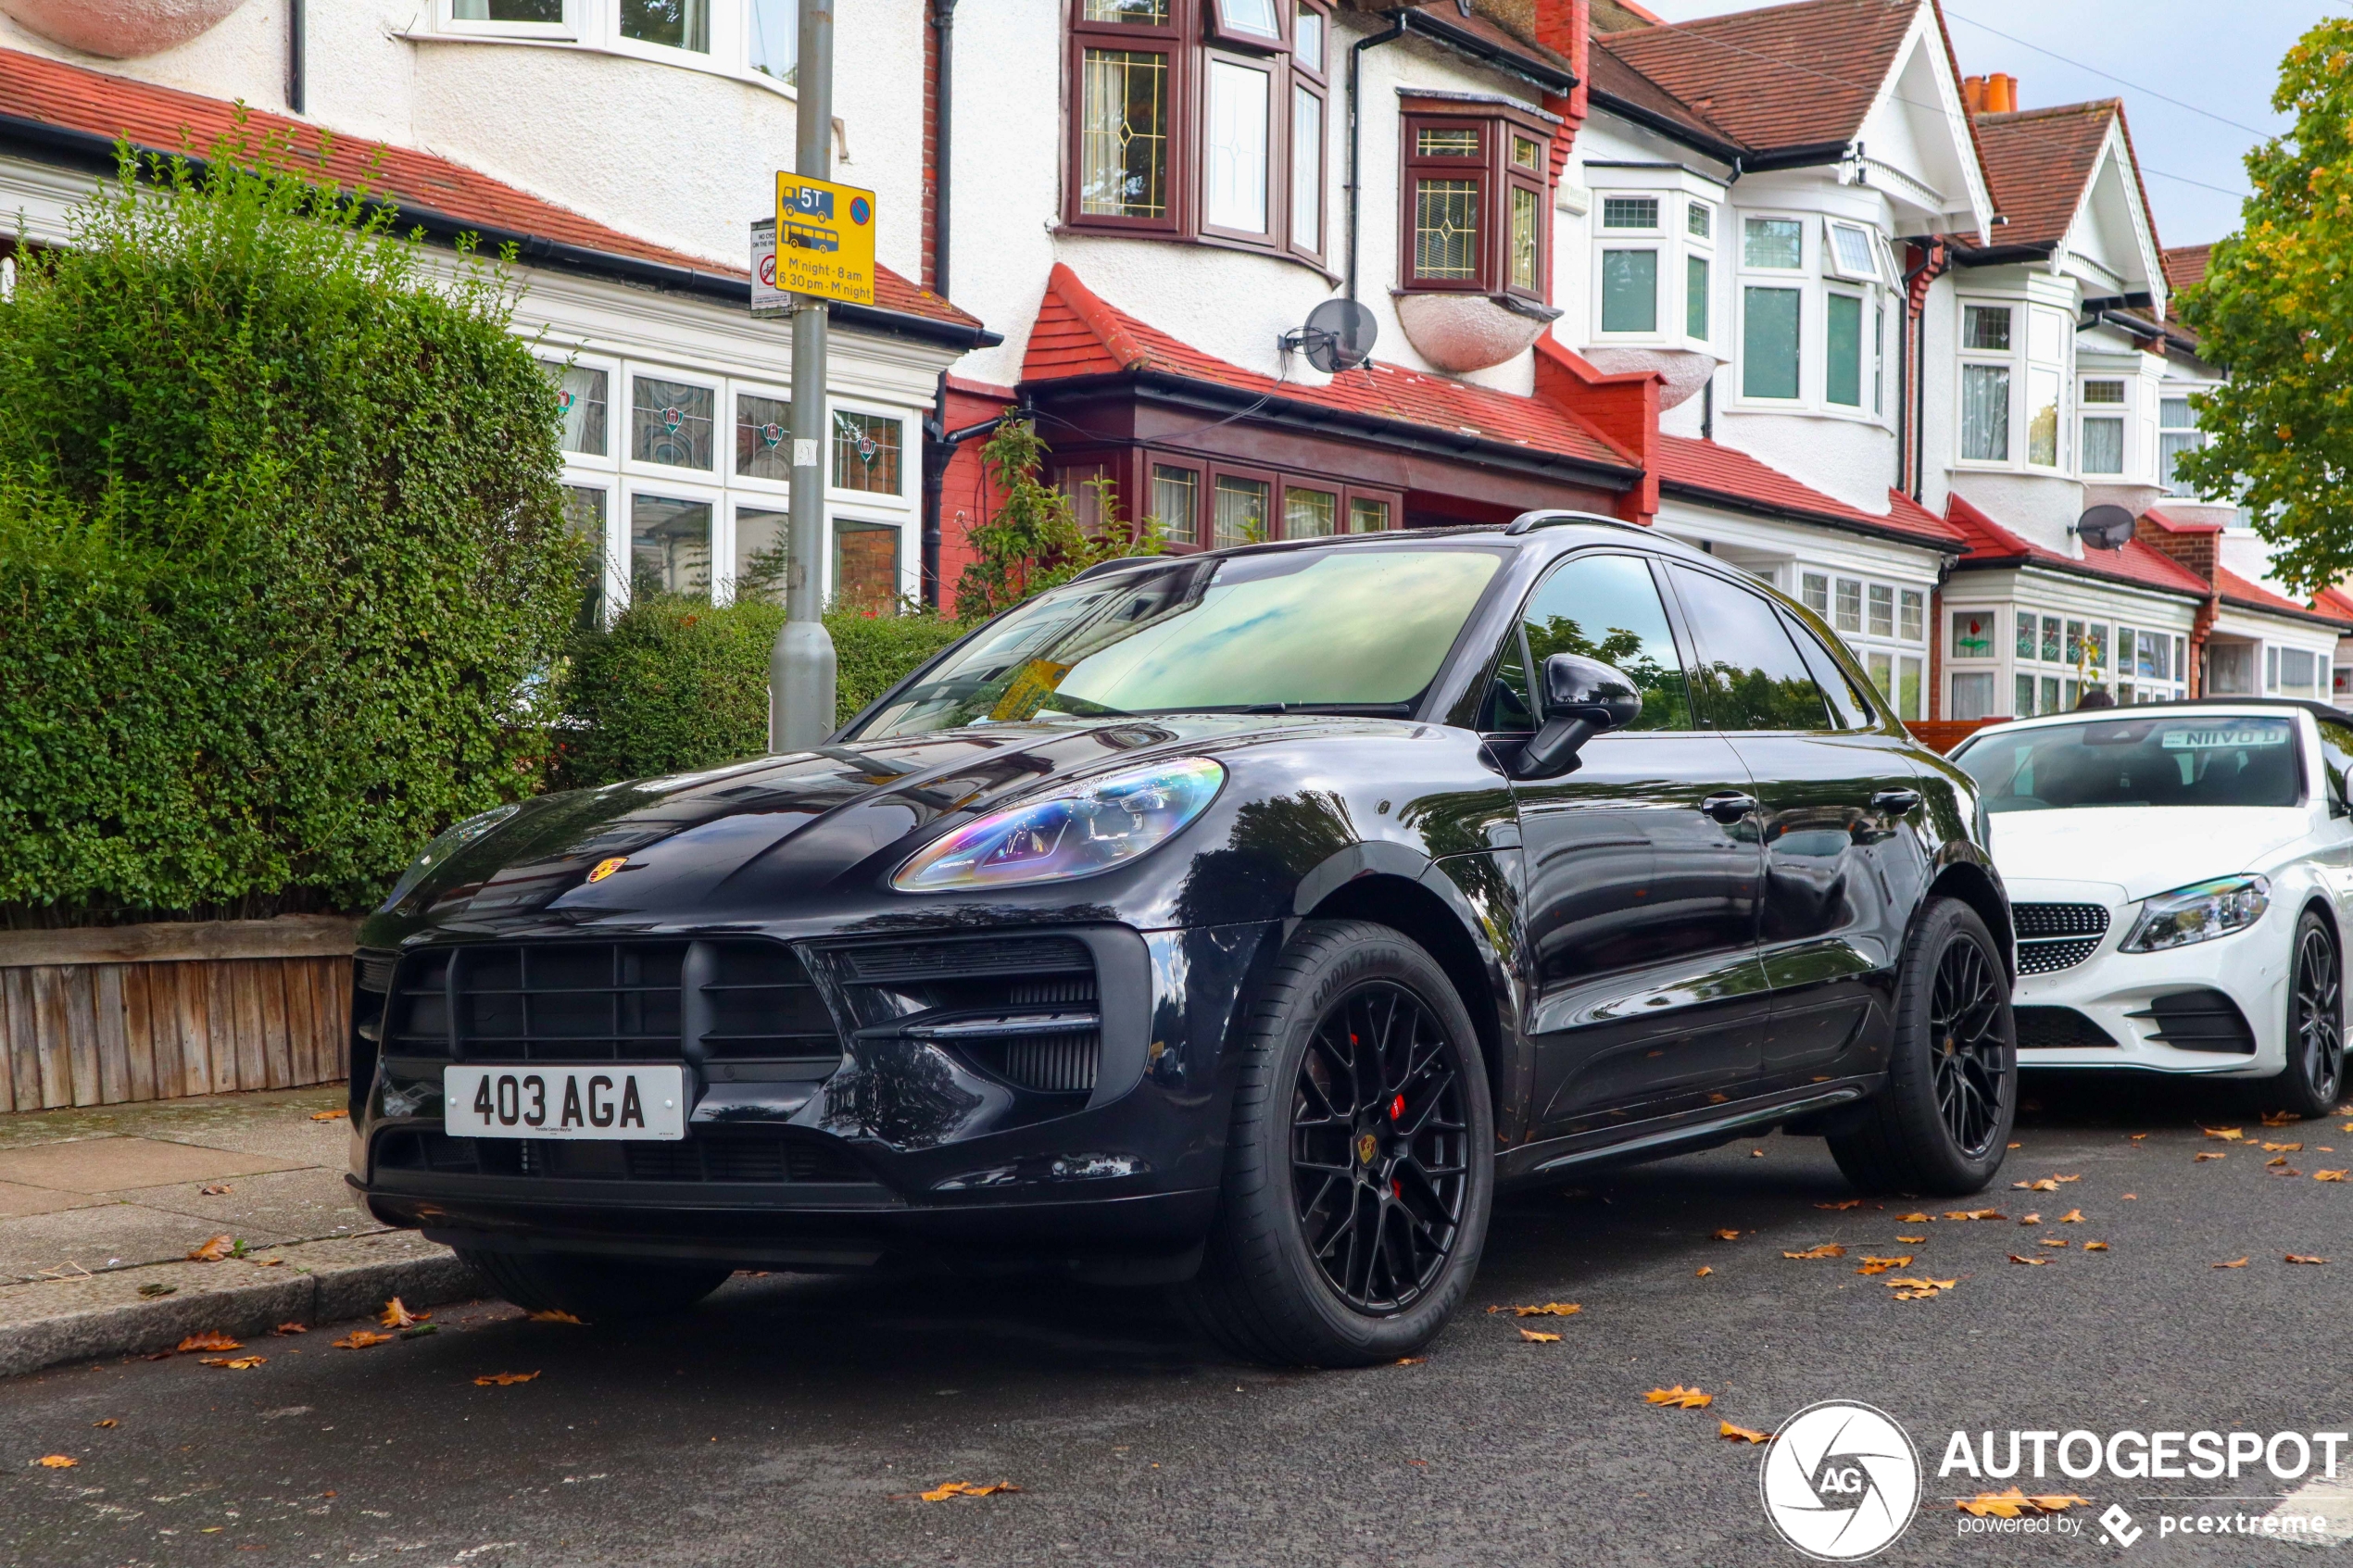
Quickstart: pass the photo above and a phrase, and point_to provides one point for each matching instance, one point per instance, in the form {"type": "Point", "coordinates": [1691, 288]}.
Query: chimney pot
{"type": "Point", "coordinates": [1973, 94]}
{"type": "Point", "coordinates": [2001, 92]}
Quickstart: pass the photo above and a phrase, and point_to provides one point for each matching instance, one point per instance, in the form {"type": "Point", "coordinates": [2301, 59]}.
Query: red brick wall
{"type": "Point", "coordinates": [965, 494]}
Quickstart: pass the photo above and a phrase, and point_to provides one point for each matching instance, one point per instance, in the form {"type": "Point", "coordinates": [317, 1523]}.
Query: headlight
{"type": "Point", "coordinates": [449, 842]}
{"type": "Point", "coordinates": [1077, 831]}
{"type": "Point", "coordinates": [2198, 913]}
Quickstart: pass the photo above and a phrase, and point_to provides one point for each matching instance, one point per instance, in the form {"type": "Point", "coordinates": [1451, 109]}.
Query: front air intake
{"type": "Point", "coordinates": [1025, 1010]}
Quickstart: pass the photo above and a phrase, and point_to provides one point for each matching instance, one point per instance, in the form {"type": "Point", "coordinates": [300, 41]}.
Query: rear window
{"type": "Point", "coordinates": [2218, 759]}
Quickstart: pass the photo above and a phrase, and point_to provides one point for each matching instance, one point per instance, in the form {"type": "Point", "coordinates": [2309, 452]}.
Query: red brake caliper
{"type": "Point", "coordinates": [1397, 1114]}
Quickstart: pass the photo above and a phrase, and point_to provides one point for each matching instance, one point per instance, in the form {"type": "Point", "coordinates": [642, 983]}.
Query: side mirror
{"type": "Point", "coordinates": [1582, 698]}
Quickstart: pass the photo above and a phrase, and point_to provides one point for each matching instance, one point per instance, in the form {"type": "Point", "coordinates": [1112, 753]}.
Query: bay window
{"type": "Point", "coordinates": [1198, 502]}
{"type": "Point", "coordinates": [1629, 272]}
{"type": "Point", "coordinates": [1477, 187]}
{"type": "Point", "coordinates": [1843, 349]}
{"type": "Point", "coordinates": [1201, 119]}
{"type": "Point", "coordinates": [2049, 334]}
{"type": "Point", "coordinates": [1985, 383]}
{"type": "Point", "coordinates": [2016, 363]}
{"type": "Point", "coordinates": [2102, 443]}
{"type": "Point", "coordinates": [1771, 315]}
{"type": "Point", "coordinates": [2177, 432]}
{"type": "Point", "coordinates": [673, 24]}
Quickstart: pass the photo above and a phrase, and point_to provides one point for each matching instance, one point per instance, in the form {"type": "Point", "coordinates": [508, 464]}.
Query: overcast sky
{"type": "Point", "coordinates": [2224, 55]}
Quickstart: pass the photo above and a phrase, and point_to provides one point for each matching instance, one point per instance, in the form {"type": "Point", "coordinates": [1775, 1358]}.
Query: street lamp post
{"type": "Point", "coordinates": [801, 664]}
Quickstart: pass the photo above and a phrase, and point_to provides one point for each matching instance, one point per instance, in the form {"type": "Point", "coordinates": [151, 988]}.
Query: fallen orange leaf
{"type": "Point", "coordinates": [1727, 1235]}
{"type": "Point", "coordinates": [2029, 1219]}
{"type": "Point", "coordinates": [554, 1315]}
{"type": "Point", "coordinates": [1756, 1154]}
{"type": "Point", "coordinates": [2046, 1184]}
{"type": "Point", "coordinates": [2279, 1118]}
{"type": "Point", "coordinates": [57, 1461]}
{"type": "Point", "coordinates": [1681, 1397]}
{"type": "Point", "coordinates": [1549, 1310]}
{"type": "Point", "coordinates": [1533, 1337]}
{"type": "Point", "coordinates": [2095, 1247]}
{"type": "Point", "coordinates": [290, 1328]}
{"type": "Point", "coordinates": [2030, 1262]}
{"type": "Point", "coordinates": [397, 1315]}
{"type": "Point", "coordinates": [2054, 1502]}
{"type": "Point", "coordinates": [504, 1379]}
{"type": "Point", "coordinates": [360, 1338]}
{"type": "Point", "coordinates": [1410, 1360]}
{"type": "Point", "coordinates": [2302, 1258]}
{"type": "Point", "coordinates": [1914, 1241]}
{"type": "Point", "coordinates": [2066, 1178]}
{"type": "Point", "coordinates": [1701, 1272]}
{"type": "Point", "coordinates": [1882, 1265]}
{"type": "Point", "coordinates": [2296, 1148]}
{"type": "Point", "coordinates": [2234, 1264]}
{"type": "Point", "coordinates": [1842, 1205]}
{"type": "Point", "coordinates": [1742, 1433]}
{"type": "Point", "coordinates": [2052, 1241]}
{"type": "Point", "coordinates": [2201, 1158]}
{"type": "Point", "coordinates": [966, 1489]}
{"type": "Point", "coordinates": [1914, 1219]}
{"type": "Point", "coordinates": [212, 1251]}
{"type": "Point", "coordinates": [335, 1115]}
{"type": "Point", "coordinates": [1974, 1214]}
{"type": "Point", "coordinates": [1828, 1249]}
{"type": "Point", "coordinates": [2328, 1175]}
{"type": "Point", "coordinates": [2072, 1217]}
{"type": "Point", "coordinates": [2012, 1503]}
{"type": "Point", "coordinates": [2230, 1135]}
{"type": "Point", "coordinates": [1921, 1283]}
{"type": "Point", "coordinates": [210, 1339]}
{"type": "Point", "coordinates": [215, 1190]}
{"type": "Point", "coordinates": [109, 1422]}
{"type": "Point", "coordinates": [234, 1363]}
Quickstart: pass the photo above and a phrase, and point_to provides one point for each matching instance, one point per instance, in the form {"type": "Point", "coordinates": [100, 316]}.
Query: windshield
{"type": "Point", "coordinates": [2206, 759]}
{"type": "Point", "coordinates": [1353, 629]}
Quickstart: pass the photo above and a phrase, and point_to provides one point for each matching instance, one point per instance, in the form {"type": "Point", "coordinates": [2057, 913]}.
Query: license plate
{"type": "Point", "coordinates": [564, 1102]}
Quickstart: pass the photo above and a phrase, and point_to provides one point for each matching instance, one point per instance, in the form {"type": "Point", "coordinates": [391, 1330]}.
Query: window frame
{"type": "Point", "coordinates": [609, 460]}
{"type": "Point", "coordinates": [1214, 469]}
{"type": "Point", "coordinates": [1514, 642]}
{"type": "Point", "coordinates": [736, 392]}
{"type": "Point", "coordinates": [625, 448]}
{"type": "Point", "coordinates": [1276, 197]}
{"type": "Point", "coordinates": [446, 18]}
{"type": "Point", "coordinates": [1496, 177]}
{"type": "Point", "coordinates": [1168, 41]}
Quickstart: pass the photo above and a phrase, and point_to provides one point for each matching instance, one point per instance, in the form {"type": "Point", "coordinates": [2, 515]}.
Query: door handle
{"type": "Point", "coordinates": [1730, 807]}
{"type": "Point", "coordinates": [1897, 802]}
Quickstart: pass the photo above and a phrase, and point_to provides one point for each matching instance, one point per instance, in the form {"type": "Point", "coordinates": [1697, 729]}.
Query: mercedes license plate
{"type": "Point", "coordinates": [617, 1101]}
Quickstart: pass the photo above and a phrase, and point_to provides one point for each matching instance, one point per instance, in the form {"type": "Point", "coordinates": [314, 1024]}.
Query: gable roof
{"type": "Point", "coordinates": [66, 109]}
{"type": "Point", "coordinates": [2138, 564]}
{"type": "Point", "coordinates": [2237, 590]}
{"type": "Point", "coordinates": [1078, 334]}
{"type": "Point", "coordinates": [2334, 603]}
{"type": "Point", "coordinates": [1709, 471]}
{"type": "Point", "coordinates": [1802, 75]}
{"type": "Point", "coordinates": [2040, 161]}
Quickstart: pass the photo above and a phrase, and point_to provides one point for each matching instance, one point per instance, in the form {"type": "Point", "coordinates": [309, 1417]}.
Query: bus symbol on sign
{"type": "Point", "coordinates": [811, 201]}
{"type": "Point", "coordinates": [825, 240]}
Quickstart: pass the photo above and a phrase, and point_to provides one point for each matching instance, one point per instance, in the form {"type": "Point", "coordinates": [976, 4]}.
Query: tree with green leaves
{"type": "Point", "coordinates": [2275, 311]}
{"type": "Point", "coordinates": [1034, 541]}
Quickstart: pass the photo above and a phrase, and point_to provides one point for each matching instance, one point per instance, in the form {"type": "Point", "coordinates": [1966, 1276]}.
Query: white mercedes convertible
{"type": "Point", "coordinates": [2181, 875]}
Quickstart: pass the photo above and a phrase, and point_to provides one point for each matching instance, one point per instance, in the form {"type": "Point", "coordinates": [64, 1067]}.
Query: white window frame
{"type": "Point", "coordinates": [1836, 266]}
{"type": "Point", "coordinates": [1657, 242]}
{"type": "Point", "coordinates": [779, 489]}
{"type": "Point", "coordinates": [655, 482]}
{"type": "Point", "coordinates": [722, 411]}
{"type": "Point", "coordinates": [2011, 359]}
{"type": "Point", "coordinates": [446, 17]}
{"type": "Point", "coordinates": [910, 459]}
{"type": "Point", "coordinates": [2061, 368]}
{"type": "Point", "coordinates": [909, 570]}
{"type": "Point", "coordinates": [558, 354]}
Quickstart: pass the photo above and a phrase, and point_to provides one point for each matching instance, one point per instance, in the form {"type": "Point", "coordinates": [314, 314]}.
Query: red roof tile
{"type": "Point", "coordinates": [165, 119]}
{"type": "Point", "coordinates": [2142, 565]}
{"type": "Point", "coordinates": [2237, 590]}
{"type": "Point", "coordinates": [1784, 76]}
{"type": "Point", "coordinates": [1618, 82]}
{"type": "Point", "coordinates": [2336, 603]}
{"type": "Point", "coordinates": [1707, 470]}
{"type": "Point", "coordinates": [2038, 162]}
{"type": "Point", "coordinates": [1077, 334]}
{"type": "Point", "coordinates": [2186, 265]}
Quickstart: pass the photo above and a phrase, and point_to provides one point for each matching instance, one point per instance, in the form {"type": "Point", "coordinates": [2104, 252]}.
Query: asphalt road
{"type": "Point", "coordinates": [790, 1419]}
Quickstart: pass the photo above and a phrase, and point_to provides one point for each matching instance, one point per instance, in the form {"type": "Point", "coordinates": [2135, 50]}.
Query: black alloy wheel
{"type": "Point", "coordinates": [1379, 1158]}
{"type": "Point", "coordinates": [1967, 1049]}
{"type": "Point", "coordinates": [2315, 1072]}
{"type": "Point", "coordinates": [1941, 1123]}
{"type": "Point", "coordinates": [1360, 1170]}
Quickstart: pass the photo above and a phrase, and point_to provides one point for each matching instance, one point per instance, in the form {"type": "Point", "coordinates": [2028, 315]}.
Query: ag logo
{"type": "Point", "coordinates": [1841, 1480]}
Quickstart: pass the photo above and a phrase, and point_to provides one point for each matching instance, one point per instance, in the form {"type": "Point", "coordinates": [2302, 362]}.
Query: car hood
{"type": "Point", "coordinates": [2142, 849]}
{"type": "Point", "coordinates": [805, 831]}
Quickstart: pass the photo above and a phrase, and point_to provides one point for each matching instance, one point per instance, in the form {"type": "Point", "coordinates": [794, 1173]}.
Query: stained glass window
{"type": "Point", "coordinates": [1526, 223]}
{"type": "Point", "coordinates": [1368, 516]}
{"type": "Point", "coordinates": [1433, 141]}
{"type": "Point", "coordinates": [1122, 142]}
{"type": "Point", "coordinates": [865, 452]}
{"type": "Point", "coordinates": [1446, 228]}
{"type": "Point", "coordinates": [763, 438]}
{"type": "Point", "coordinates": [670, 423]}
{"type": "Point", "coordinates": [580, 402]}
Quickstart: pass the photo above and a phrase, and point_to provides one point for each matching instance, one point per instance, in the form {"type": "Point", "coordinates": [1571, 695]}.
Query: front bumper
{"type": "Point", "coordinates": [911, 1144]}
{"type": "Point", "coordinates": [2132, 1010]}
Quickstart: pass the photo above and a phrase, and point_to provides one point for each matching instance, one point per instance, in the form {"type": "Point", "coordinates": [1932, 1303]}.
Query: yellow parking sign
{"type": "Point", "coordinates": [824, 239]}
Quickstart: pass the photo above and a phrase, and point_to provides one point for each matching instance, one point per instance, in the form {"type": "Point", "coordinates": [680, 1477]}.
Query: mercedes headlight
{"type": "Point", "coordinates": [1076, 831]}
{"type": "Point", "coordinates": [2198, 913]}
{"type": "Point", "coordinates": [446, 843]}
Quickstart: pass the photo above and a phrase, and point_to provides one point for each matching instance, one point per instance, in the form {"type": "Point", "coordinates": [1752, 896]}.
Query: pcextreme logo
{"type": "Point", "coordinates": [1841, 1480]}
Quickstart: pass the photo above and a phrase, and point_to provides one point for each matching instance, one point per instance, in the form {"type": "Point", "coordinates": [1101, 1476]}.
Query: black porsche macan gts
{"type": "Point", "coordinates": [1235, 921]}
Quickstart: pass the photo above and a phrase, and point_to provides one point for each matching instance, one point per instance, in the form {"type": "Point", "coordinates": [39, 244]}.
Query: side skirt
{"type": "Point", "coordinates": [1679, 1134]}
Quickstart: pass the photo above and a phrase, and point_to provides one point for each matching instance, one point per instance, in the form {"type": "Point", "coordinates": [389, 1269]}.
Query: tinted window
{"type": "Point", "coordinates": [1604, 607]}
{"type": "Point", "coordinates": [1353, 626]}
{"type": "Point", "coordinates": [2336, 757]}
{"type": "Point", "coordinates": [2219, 760]}
{"type": "Point", "coordinates": [1853, 710]}
{"type": "Point", "coordinates": [1749, 675]}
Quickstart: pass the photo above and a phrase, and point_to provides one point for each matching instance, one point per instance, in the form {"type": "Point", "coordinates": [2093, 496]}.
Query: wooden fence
{"type": "Point", "coordinates": [103, 1015]}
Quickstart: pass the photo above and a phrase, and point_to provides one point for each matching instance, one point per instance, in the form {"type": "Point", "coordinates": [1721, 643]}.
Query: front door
{"type": "Point", "coordinates": [1842, 865]}
{"type": "Point", "coordinates": [1643, 869]}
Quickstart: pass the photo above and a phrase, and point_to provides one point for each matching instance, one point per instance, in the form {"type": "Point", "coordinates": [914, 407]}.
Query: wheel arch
{"type": "Point", "coordinates": [1975, 887]}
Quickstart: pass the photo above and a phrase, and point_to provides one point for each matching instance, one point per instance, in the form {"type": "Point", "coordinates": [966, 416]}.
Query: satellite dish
{"type": "Point", "coordinates": [2105, 527]}
{"type": "Point", "coordinates": [1338, 336]}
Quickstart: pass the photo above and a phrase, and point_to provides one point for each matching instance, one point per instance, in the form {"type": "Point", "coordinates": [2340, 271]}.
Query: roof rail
{"type": "Point", "coordinates": [1547, 518]}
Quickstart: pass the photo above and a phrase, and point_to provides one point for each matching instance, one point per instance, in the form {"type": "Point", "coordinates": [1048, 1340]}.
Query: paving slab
{"type": "Point", "coordinates": [118, 1164]}
{"type": "Point", "coordinates": [308, 1203]}
{"type": "Point", "coordinates": [16, 1200]}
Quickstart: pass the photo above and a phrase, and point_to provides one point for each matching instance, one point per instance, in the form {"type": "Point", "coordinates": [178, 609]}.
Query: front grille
{"type": "Point", "coordinates": [731, 1158]}
{"type": "Point", "coordinates": [1023, 1009]}
{"type": "Point", "coordinates": [2056, 936]}
{"type": "Point", "coordinates": [2043, 958]}
{"type": "Point", "coordinates": [719, 1001]}
{"type": "Point", "coordinates": [2059, 919]}
{"type": "Point", "coordinates": [2048, 1029]}
{"type": "Point", "coordinates": [2203, 1020]}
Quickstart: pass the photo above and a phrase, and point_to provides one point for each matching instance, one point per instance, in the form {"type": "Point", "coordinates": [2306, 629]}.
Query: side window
{"type": "Point", "coordinates": [1607, 608]}
{"type": "Point", "coordinates": [1749, 676]}
{"type": "Point", "coordinates": [2336, 758]}
{"type": "Point", "coordinates": [1851, 707]}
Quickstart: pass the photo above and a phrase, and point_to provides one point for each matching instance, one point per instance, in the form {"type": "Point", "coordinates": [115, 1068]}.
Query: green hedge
{"type": "Point", "coordinates": [675, 684]}
{"type": "Point", "coordinates": [281, 550]}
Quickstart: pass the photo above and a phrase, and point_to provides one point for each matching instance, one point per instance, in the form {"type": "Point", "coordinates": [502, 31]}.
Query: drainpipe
{"type": "Point", "coordinates": [943, 30]}
{"type": "Point", "coordinates": [298, 46]}
{"type": "Point", "coordinates": [941, 447]}
{"type": "Point", "coordinates": [1356, 134]}
{"type": "Point", "coordinates": [1911, 456]}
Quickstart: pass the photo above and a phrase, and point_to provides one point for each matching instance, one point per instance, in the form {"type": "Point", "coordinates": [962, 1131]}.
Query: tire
{"type": "Point", "coordinates": [595, 1289]}
{"type": "Point", "coordinates": [2314, 1075]}
{"type": "Point", "coordinates": [1941, 1125]}
{"type": "Point", "coordinates": [1320, 1255]}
